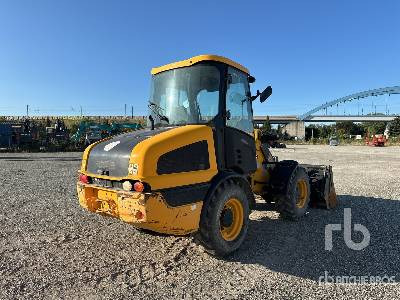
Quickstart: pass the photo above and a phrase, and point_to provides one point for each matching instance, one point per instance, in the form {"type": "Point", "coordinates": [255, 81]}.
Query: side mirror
{"type": "Point", "coordinates": [265, 94]}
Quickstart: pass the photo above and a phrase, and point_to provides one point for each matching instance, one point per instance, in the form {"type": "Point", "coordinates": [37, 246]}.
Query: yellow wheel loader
{"type": "Point", "coordinates": [196, 167]}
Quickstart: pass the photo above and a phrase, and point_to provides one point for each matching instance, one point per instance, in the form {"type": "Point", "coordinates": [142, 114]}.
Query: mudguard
{"type": "Point", "coordinates": [280, 176]}
{"type": "Point", "coordinates": [225, 175]}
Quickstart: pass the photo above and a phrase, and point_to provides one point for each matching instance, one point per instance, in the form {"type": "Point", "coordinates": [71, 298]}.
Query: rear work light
{"type": "Point", "coordinates": [127, 186]}
{"type": "Point", "coordinates": [84, 178]}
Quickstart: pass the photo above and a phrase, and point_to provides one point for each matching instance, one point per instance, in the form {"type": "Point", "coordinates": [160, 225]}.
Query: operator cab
{"type": "Point", "coordinates": [205, 89]}
{"type": "Point", "coordinates": [214, 91]}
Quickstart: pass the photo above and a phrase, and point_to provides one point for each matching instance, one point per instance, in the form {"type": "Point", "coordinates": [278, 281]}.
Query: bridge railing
{"type": "Point", "coordinates": [356, 96]}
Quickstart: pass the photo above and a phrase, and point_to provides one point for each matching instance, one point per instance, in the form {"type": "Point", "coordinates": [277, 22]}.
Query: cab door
{"type": "Point", "coordinates": [240, 150]}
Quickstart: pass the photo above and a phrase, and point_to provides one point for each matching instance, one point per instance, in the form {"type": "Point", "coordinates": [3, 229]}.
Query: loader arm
{"type": "Point", "coordinates": [271, 177]}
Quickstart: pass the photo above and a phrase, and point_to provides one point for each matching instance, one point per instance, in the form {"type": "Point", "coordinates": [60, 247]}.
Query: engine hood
{"type": "Point", "coordinates": [111, 157]}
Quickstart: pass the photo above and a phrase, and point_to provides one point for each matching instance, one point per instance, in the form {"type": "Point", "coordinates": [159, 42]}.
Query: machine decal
{"type": "Point", "coordinates": [133, 169]}
{"type": "Point", "coordinates": [109, 146]}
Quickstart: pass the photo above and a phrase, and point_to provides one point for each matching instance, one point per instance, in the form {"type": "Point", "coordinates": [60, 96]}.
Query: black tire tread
{"type": "Point", "coordinates": [205, 229]}
{"type": "Point", "coordinates": [286, 203]}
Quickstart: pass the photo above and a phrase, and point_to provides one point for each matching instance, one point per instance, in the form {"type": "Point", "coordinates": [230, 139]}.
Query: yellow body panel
{"type": "Point", "coordinates": [262, 175]}
{"type": "Point", "coordinates": [146, 154]}
{"type": "Point", "coordinates": [149, 211]}
{"type": "Point", "coordinates": [196, 59]}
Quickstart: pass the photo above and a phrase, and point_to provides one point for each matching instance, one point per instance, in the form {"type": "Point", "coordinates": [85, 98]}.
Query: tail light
{"type": "Point", "coordinates": [84, 178]}
{"type": "Point", "coordinates": [138, 186]}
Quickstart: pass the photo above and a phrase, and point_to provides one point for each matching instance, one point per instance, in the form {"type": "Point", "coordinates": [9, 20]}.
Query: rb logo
{"type": "Point", "coordinates": [347, 233]}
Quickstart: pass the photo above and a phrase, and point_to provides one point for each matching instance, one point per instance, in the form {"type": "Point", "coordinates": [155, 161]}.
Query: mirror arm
{"type": "Point", "coordinates": [252, 98]}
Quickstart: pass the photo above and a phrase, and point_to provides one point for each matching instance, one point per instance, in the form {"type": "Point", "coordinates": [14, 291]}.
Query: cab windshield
{"type": "Point", "coordinates": [187, 95]}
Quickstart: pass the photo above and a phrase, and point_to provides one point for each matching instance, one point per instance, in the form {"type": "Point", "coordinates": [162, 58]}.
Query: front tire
{"type": "Point", "coordinates": [293, 205]}
{"type": "Point", "coordinates": [225, 219]}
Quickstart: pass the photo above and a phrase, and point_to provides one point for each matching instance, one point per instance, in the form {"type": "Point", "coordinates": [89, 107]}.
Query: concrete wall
{"type": "Point", "coordinates": [296, 128]}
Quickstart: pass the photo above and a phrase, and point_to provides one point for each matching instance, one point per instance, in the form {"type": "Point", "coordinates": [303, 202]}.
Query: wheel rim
{"type": "Point", "coordinates": [231, 219]}
{"type": "Point", "coordinates": [302, 193]}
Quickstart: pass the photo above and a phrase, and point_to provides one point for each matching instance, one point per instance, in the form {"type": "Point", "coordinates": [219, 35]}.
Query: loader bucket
{"type": "Point", "coordinates": [323, 194]}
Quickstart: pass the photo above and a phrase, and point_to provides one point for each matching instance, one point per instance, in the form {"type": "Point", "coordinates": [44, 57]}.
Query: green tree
{"type": "Point", "coordinates": [349, 128]}
{"type": "Point", "coordinates": [266, 126]}
{"type": "Point", "coordinates": [374, 127]}
{"type": "Point", "coordinates": [395, 127]}
{"type": "Point", "coordinates": [279, 130]}
{"type": "Point", "coordinates": [313, 130]}
{"type": "Point", "coordinates": [327, 131]}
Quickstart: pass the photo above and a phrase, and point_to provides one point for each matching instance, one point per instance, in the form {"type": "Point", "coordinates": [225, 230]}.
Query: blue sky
{"type": "Point", "coordinates": [59, 55]}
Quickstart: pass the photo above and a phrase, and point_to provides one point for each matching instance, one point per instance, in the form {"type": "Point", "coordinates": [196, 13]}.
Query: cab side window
{"type": "Point", "coordinates": [237, 102]}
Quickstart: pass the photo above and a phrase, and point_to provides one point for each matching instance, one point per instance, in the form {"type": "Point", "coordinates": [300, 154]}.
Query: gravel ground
{"type": "Point", "coordinates": [51, 248]}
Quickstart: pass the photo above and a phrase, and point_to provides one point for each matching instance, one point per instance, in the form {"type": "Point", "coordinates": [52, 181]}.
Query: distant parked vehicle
{"type": "Point", "coordinates": [271, 140]}
{"type": "Point", "coordinates": [18, 135]}
{"type": "Point", "coordinates": [333, 141]}
{"type": "Point", "coordinates": [91, 132]}
{"type": "Point", "coordinates": [376, 140]}
{"type": "Point", "coordinates": [93, 135]}
{"type": "Point", "coordinates": [55, 136]}
{"type": "Point", "coordinates": [6, 133]}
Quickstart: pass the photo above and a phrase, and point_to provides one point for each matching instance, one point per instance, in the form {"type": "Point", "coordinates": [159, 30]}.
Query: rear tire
{"type": "Point", "coordinates": [293, 205]}
{"type": "Point", "coordinates": [225, 219]}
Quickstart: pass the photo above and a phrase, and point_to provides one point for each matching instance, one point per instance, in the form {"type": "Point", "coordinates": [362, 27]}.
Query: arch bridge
{"type": "Point", "coordinates": [295, 125]}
